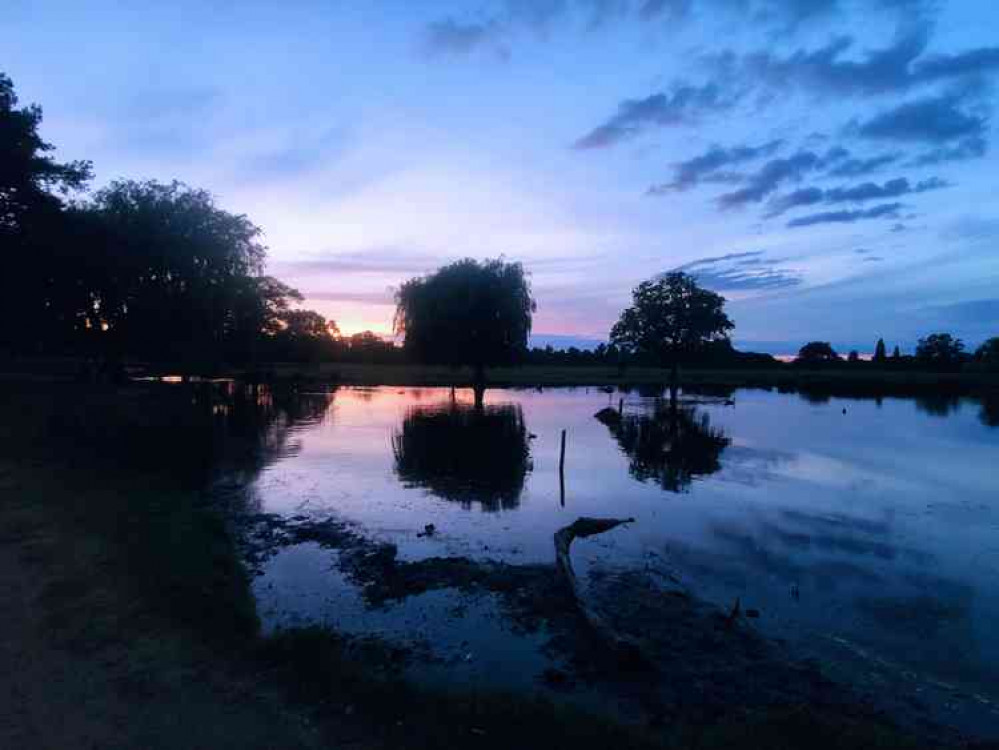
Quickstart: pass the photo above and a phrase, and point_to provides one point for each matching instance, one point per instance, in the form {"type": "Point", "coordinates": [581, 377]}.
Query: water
{"type": "Point", "coordinates": [860, 526]}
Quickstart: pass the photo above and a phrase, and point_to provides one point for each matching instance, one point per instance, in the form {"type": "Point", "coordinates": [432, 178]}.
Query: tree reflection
{"type": "Point", "coordinates": [465, 454]}
{"type": "Point", "coordinates": [669, 446]}
{"type": "Point", "coordinates": [256, 425]}
{"type": "Point", "coordinates": [989, 415]}
{"type": "Point", "coordinates": [938, 404]}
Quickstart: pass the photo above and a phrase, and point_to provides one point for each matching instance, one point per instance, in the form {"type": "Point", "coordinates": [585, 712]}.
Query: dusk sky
{"type": "Point", "coordinates": [827, 165]}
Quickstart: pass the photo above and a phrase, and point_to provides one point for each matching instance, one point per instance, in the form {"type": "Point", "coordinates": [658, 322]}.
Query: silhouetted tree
{"type": "Point", "coordinates": [988, 353]}
{"type": "Point", "coordinates": [36, 294]}
{"type": "Point", "coordinates": [897, 353]}
{"type": "Point", "coordinates": [468, 455]}
{"type": "Point", "coordinates": [817, 352]}
{"type": "Point", "coordinates": [670, 319]}
{"type": "Point", "coordinates": [939, 350]}
{"type": "Point", "coordinates": [853, 356]}
{"type": "Point", "coordinates": [879, 352]}
{"type": "Point", "coordinates": [182, 270]}
{"type": "Point", "coordinates": [370, 348]}
{"type": "Point", "coordinates": [468, 313]}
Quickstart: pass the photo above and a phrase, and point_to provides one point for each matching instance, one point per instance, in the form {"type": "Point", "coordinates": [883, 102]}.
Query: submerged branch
{"type": "Point", "coordinates": [564, 537]}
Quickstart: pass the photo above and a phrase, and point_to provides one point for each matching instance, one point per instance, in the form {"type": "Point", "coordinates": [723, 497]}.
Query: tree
{"type": "Point", "coordinates": [178, 270]}
{"type": "Point", "coordinates": [670, 319]}
{"type": "Point", "coordinates": [470, 313]}
{"type": "Point", "coordinates": [33, 227]}
{"type": "Point", "coordinates": [879, 351]}
{"type": "Point", "coordinates": [817, 352]}
{"type": "Point", "coordinates": [896, 353]}
{"type": "Point", "coordinates": [988, 353]}
{"type": "Point", "coordinates": [939, 349]}
{"type": "Point", "coordinates": [853, 356]}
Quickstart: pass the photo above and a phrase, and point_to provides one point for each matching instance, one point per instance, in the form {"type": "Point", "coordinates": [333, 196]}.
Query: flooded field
{"type": "Point", "coordinates": [862, 533]}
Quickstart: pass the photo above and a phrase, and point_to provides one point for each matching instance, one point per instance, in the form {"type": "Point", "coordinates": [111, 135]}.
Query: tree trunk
{"type": "Point", "coordinates": [479, 386]}
{"type": "Point", "coordinates": [674, 383]}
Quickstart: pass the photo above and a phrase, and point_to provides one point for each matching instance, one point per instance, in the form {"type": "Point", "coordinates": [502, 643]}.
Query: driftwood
{"type": "Point", "coordinates": [581, 528]}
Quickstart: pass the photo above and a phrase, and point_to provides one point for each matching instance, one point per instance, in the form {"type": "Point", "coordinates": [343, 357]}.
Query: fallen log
{"type": "Point", "coordinates": [564, 537]}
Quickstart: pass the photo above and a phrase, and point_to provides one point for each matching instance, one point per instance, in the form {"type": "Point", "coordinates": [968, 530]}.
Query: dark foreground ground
{"type": "Point", "coordinates": [128, 620]}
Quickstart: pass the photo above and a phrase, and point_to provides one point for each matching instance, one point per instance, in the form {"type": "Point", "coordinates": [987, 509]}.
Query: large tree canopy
{"type": "Point", "coordinates": [670, 318]}
{"type": "Point", "coordinates": [27, 173]}
{"type": "Point", "coordinates": [34, 228]}
{"type": "Point", "coordinates": [467, 313]}
{"type": "Point", "coordinates": [817, 352]}
{"type": "Point", "coordinates": [939, 349]}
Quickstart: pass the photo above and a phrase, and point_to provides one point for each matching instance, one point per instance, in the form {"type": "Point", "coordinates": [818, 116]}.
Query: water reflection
{"type": "Point", "coordinates": [938, 405]}
{"type": "Point", "coordinates": [464, 453]}
{"type": "Point", "coordinates": [989, 415]}
{"type": "Point", "coordinates": [257, 425]}
{"type": "Point", "coordinates": [669, 446]}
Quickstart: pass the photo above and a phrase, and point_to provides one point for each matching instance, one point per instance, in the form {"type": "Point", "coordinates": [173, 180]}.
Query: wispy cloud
{"type": "Point", "coordinates": [932, 119]}
{"type": "Point", "coordinates": [689, 173]}
{"type": "Point", "coordinates": [887, 210]}
{"type": "Point", "coordinates": [861, 193]}
{"type": "Point", "coordinates": [771, 176]}
{"type": "Point", "coordinates": [746, 271]}
{"type": "Point", "coordinates": [684, 104]}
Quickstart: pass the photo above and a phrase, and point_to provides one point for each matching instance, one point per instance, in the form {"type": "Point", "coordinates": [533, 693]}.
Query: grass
{"type": "Point", "coordinates": [98, 490]}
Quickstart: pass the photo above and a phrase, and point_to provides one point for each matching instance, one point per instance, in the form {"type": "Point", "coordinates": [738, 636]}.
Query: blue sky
{"type": "Point", "coordinates": [824, 164]}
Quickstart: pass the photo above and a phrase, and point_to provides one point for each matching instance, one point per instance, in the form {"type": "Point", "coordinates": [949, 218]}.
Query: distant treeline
{"type": "Point", "coordinates": [712, 354]}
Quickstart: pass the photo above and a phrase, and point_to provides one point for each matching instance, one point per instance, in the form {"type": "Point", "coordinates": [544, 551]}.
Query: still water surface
{"type": "Point", "coordinates": [868, 523]}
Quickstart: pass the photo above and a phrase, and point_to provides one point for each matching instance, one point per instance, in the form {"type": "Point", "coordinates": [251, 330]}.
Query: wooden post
{"type": "Point", "coordinates": [561, 471]}
{"type": "Point", "coordinates": [620, 407]}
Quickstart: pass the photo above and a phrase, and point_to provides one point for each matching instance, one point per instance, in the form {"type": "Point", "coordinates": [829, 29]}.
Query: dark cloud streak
{"type": "Point", "coordinates": [684, 105]}
{"type": "Point", "coordinates": [861, 193]}
{"type": "Point", "coordinates": [887, 210]}
{"type": "Point", "coordinates": [687, 174]}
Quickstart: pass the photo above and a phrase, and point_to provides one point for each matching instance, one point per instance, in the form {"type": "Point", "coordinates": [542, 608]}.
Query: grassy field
{"type": "Point", "coordinates": [129, 621]}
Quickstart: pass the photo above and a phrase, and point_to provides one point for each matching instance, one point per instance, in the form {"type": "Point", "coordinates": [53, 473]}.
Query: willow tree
{"type": "Point", "coordinates": [469, 313]}
{"type": "Point", "coordinates": [670, 319]}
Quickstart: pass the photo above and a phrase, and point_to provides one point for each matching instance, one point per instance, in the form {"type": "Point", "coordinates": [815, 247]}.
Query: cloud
{"type": "Point", "coordinates": [450, 38]}
{"type": "Point", "coordinates": [824, 71]}
{"type": "Point", "coordinates": [859, 167]}
{"type": "Point", "coordinates": [684, 105]}
{"type": "Point", "coordinates": [770, 177]}
{"type": "Point", "coordinates": [376, 261]}
{"type": "Point", "coordinates": [932, 119]}
{"type": "Point", "coordinates": [496, 23]}
{"type": "Point", "coordinates": [974, 147]}
{"type": "Point", "coordinates": [970, 319]}
{"type": "Point", "coordinates": [748, 271]}
{"type": "Point", "coordinates": [887, 210]}
{"type": "Point", "coordinates": [687, 174]}
{"type": "Point", "coordinates": [370, 298]}
{"type": "Point", "coordinates": [972, 228]}
{"type": "Point", "coordinates": [861, 193]}
{"type": "Point", "coordinates": [896, 68]}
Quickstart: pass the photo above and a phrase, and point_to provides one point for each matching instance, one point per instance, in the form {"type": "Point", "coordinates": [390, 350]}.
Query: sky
{"type": "Point", "coordinates": [823, 164]}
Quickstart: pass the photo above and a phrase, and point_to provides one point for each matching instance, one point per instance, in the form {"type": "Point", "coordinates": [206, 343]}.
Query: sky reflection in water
{"type": "Point", "coordinates": [884, 519]}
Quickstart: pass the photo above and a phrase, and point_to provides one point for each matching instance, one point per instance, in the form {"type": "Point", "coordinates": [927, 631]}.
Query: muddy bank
{"type": "Point", "coordinates": [698, 664]}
